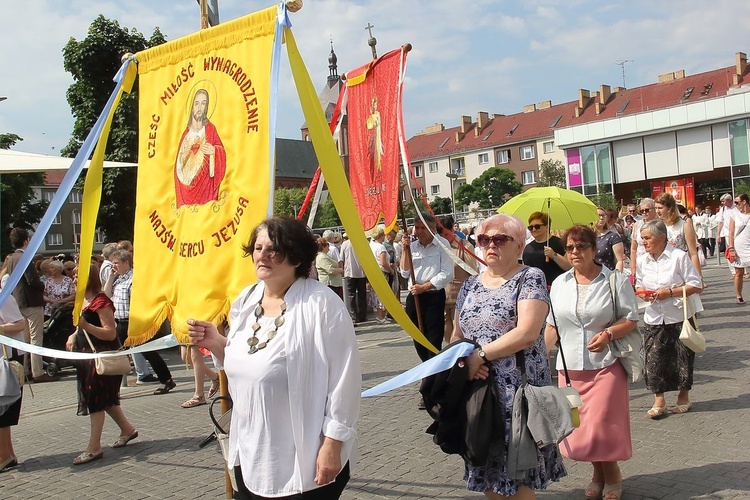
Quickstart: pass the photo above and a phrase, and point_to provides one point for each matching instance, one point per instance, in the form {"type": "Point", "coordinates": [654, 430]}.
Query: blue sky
{"type": "Point", "coordinates": [482, 55]}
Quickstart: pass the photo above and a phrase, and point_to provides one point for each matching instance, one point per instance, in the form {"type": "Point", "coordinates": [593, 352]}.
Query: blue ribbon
{"type": "Point", "coordinates": [76, 167]}
{"type": "Point", "coordinates": [443, 361]}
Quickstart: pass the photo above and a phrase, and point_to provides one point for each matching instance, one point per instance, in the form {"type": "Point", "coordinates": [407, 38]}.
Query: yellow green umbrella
{"type": "Point", "coordinates": [564, 207]}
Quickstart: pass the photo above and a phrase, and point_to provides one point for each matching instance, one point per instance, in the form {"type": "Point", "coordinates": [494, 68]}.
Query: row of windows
{"type": "Point", "coordinates": [74, 197]}
{"type": "Point", "coordinates": [503, 156]}
{"type": "Point", "coordinates": [75, 218]}
{"type": "Point", "coordinates": [56, 239]}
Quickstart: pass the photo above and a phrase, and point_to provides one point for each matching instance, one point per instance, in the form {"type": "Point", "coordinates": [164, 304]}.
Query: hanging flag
{"type": "Point", "coordinates": [373, 108]}
{"type": "Point", "coordinates": [333, 170]}
{"type": "Point", "coordinates": [205, 169]}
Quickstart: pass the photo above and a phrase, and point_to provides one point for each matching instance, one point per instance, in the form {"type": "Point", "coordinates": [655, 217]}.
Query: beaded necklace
{"type": "Point", "coordinates": [253, 342]}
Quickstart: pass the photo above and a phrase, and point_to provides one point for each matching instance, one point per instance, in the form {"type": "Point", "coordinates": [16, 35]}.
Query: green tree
{"type": "Point", "coordinates": [286, 201]}
{"type": "Point", "coordinates": [441, 205]}
{"type": "Point", "coordinates": [327, 215]}
{"type": "Point", "coordinates": [93, 63]}
{"type": "Point", "coordinates": [551, 173]}
{"type": "Point", "coordinates": [604, 198]}
{"type": "Point", "coordinates": [18, 204]}
{"type": "Point", "coordinates": [7, 141]}
{"type": "Point", "coordinates": [491, 189]}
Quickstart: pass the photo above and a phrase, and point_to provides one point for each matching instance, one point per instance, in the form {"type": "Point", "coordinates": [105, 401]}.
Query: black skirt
{"type": "Point", "coordinates": [669, 362]}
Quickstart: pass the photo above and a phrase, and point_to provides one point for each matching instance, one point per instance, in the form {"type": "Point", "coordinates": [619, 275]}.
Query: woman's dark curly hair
{"type": "Point", "coordinates": [292, 240]}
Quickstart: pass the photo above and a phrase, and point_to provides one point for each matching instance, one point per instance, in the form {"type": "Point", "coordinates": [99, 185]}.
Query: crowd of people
{"type": "Point", "coordinates": [503, 284]}
{"type": "Point", "coordinates": [48, 288]}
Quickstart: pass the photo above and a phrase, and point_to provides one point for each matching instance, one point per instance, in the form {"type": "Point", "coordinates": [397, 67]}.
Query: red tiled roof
{"type": "Point", "coordinates": [54, 177]}
{"type": "Point", "coordinates": [538, 124]}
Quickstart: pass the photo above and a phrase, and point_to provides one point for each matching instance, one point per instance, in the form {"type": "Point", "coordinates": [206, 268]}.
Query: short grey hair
{"type": "Point", "coordinates": [647, 201]}
{"type": "Point", "coordinates": [328, 234]}
{"type": "Point", "coordinates": [56, 263]}
{"type": "Point", "coordinates": [656, 227]}
{"type": "Point", "coordinates": [725, 196]}
{"type": "Point", "coordinates": [108, 249]}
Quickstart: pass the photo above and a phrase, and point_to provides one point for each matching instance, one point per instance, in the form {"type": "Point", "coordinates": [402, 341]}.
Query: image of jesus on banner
{"type": "Point", "coordinates": [376, 139]}
{"type": "Point", "coordinates": [201, 160]}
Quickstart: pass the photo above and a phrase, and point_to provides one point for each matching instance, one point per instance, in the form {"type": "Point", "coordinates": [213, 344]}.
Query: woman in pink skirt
{"type": "Point", "coordinates": [586, 327]}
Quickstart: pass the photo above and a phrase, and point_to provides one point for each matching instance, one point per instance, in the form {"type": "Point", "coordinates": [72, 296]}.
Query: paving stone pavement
{"type": "Point", "coordinates": [702, 454]}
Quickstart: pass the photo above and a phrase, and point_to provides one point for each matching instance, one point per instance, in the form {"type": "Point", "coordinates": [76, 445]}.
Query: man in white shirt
{"type": "Point", "coordinates": [433, 270]}
{"type": "Point", "coordinates": [383, 259]}
{"type": "Point", "coordinates": [356, 284]}
{"type": "Point", "coordinates": [726, 214]}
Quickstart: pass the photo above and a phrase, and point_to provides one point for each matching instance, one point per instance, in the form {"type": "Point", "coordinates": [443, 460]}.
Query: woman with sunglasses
{"type": "Point", "coordinates": [588, 315]}
{"type": "Point", "coordinates": [505, 318]}
{"type": "Point", "coordinates": [648, 212]}
{"type": "Point", "coordinates": [610, 250]}
{"type": "Point", "coordinates": [545, 252]}
{"type": "Point", "coordinates": [739, 243]}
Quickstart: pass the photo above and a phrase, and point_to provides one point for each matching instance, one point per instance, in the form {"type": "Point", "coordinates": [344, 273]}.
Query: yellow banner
{"type": "Point", "coordinates": [204, 171]}
{"type": "Point", "coordinates": [333, 172]}
{"type": "Point", "coordinates": [92, 196]}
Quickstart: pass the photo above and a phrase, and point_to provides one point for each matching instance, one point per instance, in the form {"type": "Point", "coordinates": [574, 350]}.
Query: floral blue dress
{"type": "Point", "coordinates": [487, 314]}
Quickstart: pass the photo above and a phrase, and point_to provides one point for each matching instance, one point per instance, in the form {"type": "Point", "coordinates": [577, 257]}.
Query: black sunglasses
{"type": "Point", "coordinates": [536, 226]}
{"type": "Point", "coordinates": [578, 246]}
{"type": "Point", "coordinates": [498, 239]}
{"type": "Point", "coordinates": [645, 210]}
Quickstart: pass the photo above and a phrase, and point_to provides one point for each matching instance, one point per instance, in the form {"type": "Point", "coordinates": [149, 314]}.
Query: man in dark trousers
{"type": "Point", "coordinates": [29, 294]}
{"type": "Point", "coordinates": [433, 270]}
{"type": "Point", "coordinates": [118, 287]}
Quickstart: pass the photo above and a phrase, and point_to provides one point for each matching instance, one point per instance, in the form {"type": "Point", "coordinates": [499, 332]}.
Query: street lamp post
{"type": "Point", "coordinates": [452, 178]}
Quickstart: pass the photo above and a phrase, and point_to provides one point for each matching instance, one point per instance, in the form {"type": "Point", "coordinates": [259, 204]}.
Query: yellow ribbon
{"type": "Point", "coordinates": [333, 171]}
{"type": "Point", "coordinates": [92, 195]}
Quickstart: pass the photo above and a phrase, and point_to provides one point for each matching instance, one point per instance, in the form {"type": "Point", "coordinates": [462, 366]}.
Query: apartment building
{"type": "Point", "coordinates": [686, 134]}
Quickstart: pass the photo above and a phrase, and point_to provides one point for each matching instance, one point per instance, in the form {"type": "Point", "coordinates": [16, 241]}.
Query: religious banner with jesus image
{"type": "Point", "coordinates": [373, 108]}
{"type": "Point", "coordinates": [204, 172]}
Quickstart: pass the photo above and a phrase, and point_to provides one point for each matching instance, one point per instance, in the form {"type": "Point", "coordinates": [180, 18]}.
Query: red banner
{"type": "Point", "coordinates": [373, 109]}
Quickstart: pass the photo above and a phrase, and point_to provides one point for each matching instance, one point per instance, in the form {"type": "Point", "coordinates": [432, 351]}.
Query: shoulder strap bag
{"type": "Point", "coordinates": [10, 387]}
{"type": "Point", "coordinates": [629, 349]}
{"type": "Point", "coordinates": [558, 407]}
{"type": "Point", "coordinates": [116, 365]}
{"type": "Point", "coordinates": [691, 335]}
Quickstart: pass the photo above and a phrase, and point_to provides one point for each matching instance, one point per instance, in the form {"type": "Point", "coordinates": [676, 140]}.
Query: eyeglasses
{"type": "Point", "coordinates": [577, 247]}
{"type": "Point", "coordinates": [645, 210]}
{"type": "Point", "coordinates": [631, 210]}
{"type": "Point", "coordinates": [498, 239]}
{"type": "Point", "coordinates": [535, 226]}
{"type": "Point", "coordinates": [738, 201]}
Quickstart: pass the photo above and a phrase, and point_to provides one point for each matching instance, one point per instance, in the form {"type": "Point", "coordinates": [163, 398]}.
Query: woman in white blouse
{"type": "Point", "coordinates": [589, 315]}
{"type": "Point", "coordinates": [294, 373]}
{"type": "Point", "coordinates": [662, 274]}
{"type": "Point", "coordinates": [11, 325]}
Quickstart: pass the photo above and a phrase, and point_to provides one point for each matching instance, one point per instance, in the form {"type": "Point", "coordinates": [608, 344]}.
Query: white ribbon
{"type": "Point", "coordinates": [154, 345]}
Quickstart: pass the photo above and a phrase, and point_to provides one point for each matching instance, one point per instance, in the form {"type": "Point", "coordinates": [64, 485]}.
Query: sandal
{"type": "Point", "coordinates": [594, 490]}
{"type": "Point", "coordinates": [168, 386]}
{"type": "Point", "coordinates": [214, 388]}
{"type": "Point", "coordinates": [657, 412]}
{"type": "Point", "coordinates": [85, 458]}
{"type": "Point", "coordinates": [678, 409]}
{"type": "Point", "coordinates": [193, 402]}
{"type": "Point", "coordinates": [124, 440]}
{"type": "Point", "coordinates": [612, 491]}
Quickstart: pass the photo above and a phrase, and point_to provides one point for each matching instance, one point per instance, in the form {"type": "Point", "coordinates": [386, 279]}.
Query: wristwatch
{"type": "Point", "coordinates": [482, 354]}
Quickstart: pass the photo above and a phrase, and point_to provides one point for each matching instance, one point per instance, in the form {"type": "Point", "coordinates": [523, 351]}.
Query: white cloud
{"type": "Point", "coordinates": [467, 56]}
